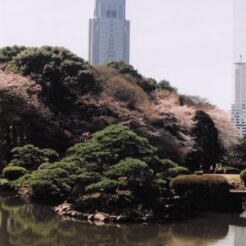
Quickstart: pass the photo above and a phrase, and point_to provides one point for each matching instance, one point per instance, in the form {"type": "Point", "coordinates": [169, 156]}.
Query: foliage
{"type": "Point", "coordinates": [231, 170]}
{"type": "Point", "coordinates": [192, 101]}
{"type": "Point", "coordinates": [70, 166]}
{"type": "Point", "coordinates": [241, 149]}
{"type": "Point", "coordinates": [125, 68]}
{"type": "Point", "coordinates": [136, 172]}
{"type": "Point", "coordinates": [175, 171]}
{"type": "Point", "coordinates": [167, 163]}
{"type": "Point", "coordinates": [8, 53]}
{"type": "Point", "coordinates": [13, 173]}
{"type": "Point", "coordinates": [86, 178]}
{"type": "Point", "coordinates": [243, 176]}
{"type": "Point", "coordinates": [50, 154]}
{"type": "Point", "coordinates": [125, 91]}
{"type": "Point", "coordinates": [129, 168]}
{"type": "Point", "coordinates": [54, 181]}
{"type": "Point", "coordinates": [114, 143]}
{"type": "Point", "coordinates": [105, 184]}
{"type": "Point", "coordinates": [200, 184]}
{"type": "Point", "coordinates": [113, 158]}
{"type": "Point", "coordinates": [32, 157]}
{"type": "Point", "coordinates": [207, 138]}
{"type": "Point", "coordinates": [62, 75]}
{"type": "Point", "coordinates": [165, 85]}
{"type": "Point", "coordinates": [3, 181]}
{"type": "Point", "coordinates": [148, 84]}
{"type": "Point", "coordinates": [240, 166]}
{"type": "Point", "coordinates": [48, 184]}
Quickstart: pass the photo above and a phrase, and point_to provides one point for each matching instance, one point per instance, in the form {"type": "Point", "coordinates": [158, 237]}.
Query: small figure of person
{"type": "Point", "coordinates": [216, 168]}
{"type": "Point", "coordinates": [211, 169]}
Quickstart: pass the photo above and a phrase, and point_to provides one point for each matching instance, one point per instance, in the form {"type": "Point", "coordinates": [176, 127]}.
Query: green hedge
{"type": "Point", "coordinates": [206, 193]}
{"type": "Point", "coordinates": [240, 166]}
{"type": "Point", "coordinates": [13, 172]}
{"type": "Point", "coordinates": [208, 185]}
{"type": "Point", "coordinates": [231, 170]}
{"type": "Point", "coordinates": [174, 172]}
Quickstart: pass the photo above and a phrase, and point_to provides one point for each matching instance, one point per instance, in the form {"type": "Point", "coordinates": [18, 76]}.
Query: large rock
{"type": "Point", "coordinates": [101, 217]}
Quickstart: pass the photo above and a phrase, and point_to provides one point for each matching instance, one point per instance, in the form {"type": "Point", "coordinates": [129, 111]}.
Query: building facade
{"type": "Point", "coordinates": [239, 106]}
{"type": "Point", "coordinates": [109, 33]}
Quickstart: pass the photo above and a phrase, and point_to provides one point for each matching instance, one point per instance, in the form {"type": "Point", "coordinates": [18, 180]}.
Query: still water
{"type": "Point", "coordinates": [34, 225]}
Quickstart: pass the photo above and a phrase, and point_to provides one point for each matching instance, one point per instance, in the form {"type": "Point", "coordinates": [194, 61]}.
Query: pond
{"type": "Point", "coordinates": [24, 224]}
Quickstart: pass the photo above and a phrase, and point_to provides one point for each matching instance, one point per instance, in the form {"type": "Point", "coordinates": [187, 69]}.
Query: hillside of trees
{"type": "Point", "coordinates": [49, 97]}
{"type": "Point", "coordinates": [105, 138]}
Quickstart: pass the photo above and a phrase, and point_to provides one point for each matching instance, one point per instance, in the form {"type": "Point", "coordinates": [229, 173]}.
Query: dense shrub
{"type": "Point", "coordinates": [8, 53]}
{"type": "Point", "coordinates": [114, 143]}
{"type": "Point", "coordinates": [147, 84]}
{"type": "Point", "coordinates": [231, 170]}
{"type": "Point", "coordinates": [124, 91]}
{"type": "Point", "coordinates": [13, 173]}
{"type": "Point", "coordinates": [241, 152]}
{"type": "Point", "coordinates": [175, 171]}
{"type": "Point", "coordinates": [48, 184]}
{"type": "Point", "coordinates": [243, 176]}
{"type": "Point", "coordinates": [70, 166]}
{"type": "Point", "coordinates": [135, 171]}
{"type": "Point", "coordinates": [165, 85]}
{"type": "Point", "coordinates": [167, 163]}
{"type": "Point", "coordinates": [105, 184]}
{"type": "Point", "coordinates": [125, 69]}
{"type": "Point", "coordinates": [44, 166]}
{"type": "Point", "coordinates": [113, 158]}
{"type": "Point", "coordinates": [86, 178]}
{"type": "Point", "coordinates": [62, 75]}
{"type": "Point", "coordinates": [31, 157]}
{"type": "Point", "coordinates": [130, 168]}
{"type": "Point", "coordinates": [206, 193]}
{"type": "Point", "coordinates": [50, 154]}
{"type": "Point", "coordinates": [200, 185]}
{"type": "Point", "coordinates": [240, 166]}
{"type": "Point", "coordinates": [192, 101]}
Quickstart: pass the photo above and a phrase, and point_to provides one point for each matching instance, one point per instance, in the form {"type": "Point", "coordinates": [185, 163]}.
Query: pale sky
{"type": "Point", "coordinates": [188, 42]}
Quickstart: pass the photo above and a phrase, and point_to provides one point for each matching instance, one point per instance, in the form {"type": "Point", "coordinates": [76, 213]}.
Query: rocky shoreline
{"type": "Point", "coordinates": [67, 210]}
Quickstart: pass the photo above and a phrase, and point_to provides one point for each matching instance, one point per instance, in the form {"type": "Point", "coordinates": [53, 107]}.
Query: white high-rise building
{"type": "Point", "coordinates": [239, 106]}
{"type": "Point", "coordinates": [109, 33]}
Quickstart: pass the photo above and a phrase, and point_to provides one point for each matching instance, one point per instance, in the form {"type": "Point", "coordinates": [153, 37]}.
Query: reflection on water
{"type": "Point", "coordinates": [34, 225]}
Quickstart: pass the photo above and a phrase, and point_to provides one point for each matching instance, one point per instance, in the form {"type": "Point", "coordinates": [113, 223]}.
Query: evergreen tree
{"type": "Point", "coordinates": [207, 138]}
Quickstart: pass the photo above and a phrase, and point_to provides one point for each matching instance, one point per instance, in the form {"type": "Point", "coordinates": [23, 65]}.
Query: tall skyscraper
{"type": "Point", "coordinates": [109, 33]}
{"type": "Point", "coordinates": [239, 106]}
